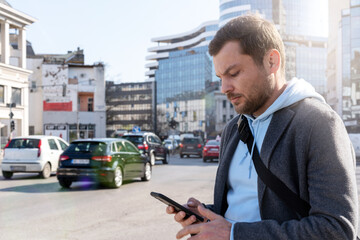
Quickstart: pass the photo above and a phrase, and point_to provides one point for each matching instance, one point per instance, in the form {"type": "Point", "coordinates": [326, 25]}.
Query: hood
{"type": "Point", "coordinates": [296, 90]}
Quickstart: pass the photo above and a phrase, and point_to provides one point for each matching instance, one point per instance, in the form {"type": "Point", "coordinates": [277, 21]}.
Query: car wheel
{"type": "Point", "coordinates": [152, 159]}
{"type": "Point", "coordinates": [147, 172]}
{"type": "Point", "coordinates": [7, 175]}
{"type": "Point", "coordinates": [65, 183]}
{"type": "Point", "coordinates": [181, 156]}
{"type": "Point", "coordinates": [117, 178]}
{"type": "Point", "coordinates": [165, 161]}
{"type": "Point", "coordinates": [204, 159]}
{"type": "Point", "coordinates": [46, 172]}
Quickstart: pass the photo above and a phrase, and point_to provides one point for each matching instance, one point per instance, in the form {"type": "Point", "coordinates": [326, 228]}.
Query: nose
{"type": "Point", "coordinates": [226, 86]}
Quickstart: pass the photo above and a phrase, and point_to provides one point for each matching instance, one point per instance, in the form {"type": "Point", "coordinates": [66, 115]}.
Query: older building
{"type": "Point", "coordinates": [67, 97]}
{"type": "Point", "coordinates": [130, 106]}
{"type": "Point", "coordinates": [14, 108]}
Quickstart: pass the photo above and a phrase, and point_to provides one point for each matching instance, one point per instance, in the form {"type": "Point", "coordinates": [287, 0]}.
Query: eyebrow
{"type": "Point", "coordinates": [228, 69]}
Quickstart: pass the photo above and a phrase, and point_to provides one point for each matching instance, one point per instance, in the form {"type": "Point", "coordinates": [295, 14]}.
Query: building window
{"type": "Point", "coordinates": [2, 88]}
{"type": "Point", "coordinates": [16, 96]}
{"type": "Point", "coordinates": [224, 118]}
{"type": "Point", "coordinates": [90, 104]}
{"type": "Point", "coordinates": [224, 103]}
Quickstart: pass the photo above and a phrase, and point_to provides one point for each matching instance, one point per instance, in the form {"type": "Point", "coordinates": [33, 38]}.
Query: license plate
{"type": "Point", "coordinates": [17, 168]}
{"type": "Point", "coordinates": [190, 147]}
{"type": "Point", "coordinates": [80, 161]}
{"type": "Point", "coordinates": [214, 150]}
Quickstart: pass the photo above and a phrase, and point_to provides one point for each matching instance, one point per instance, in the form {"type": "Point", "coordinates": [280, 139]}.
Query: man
{"type": "Point", "coordinates": [301, 140]}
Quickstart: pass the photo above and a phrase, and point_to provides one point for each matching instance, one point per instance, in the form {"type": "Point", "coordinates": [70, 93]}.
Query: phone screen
{"type": "Point", "coordinates": [178, 207]}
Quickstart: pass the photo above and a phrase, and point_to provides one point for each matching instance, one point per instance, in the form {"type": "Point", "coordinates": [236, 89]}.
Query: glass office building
{"type": "Point", "coordinates": [181, 67]}
{"type": "Point", "coordinates": [300, 26]}
{"type": "Point", "coordinates": [350, 29]}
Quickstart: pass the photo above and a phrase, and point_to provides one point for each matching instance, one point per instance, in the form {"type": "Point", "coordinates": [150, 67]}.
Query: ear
{"type": "Point", "coordinates": [272, 60]}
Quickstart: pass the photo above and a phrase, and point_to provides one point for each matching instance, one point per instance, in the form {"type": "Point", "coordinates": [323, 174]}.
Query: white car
{"type": "Point", "coordinates": [35, 154]}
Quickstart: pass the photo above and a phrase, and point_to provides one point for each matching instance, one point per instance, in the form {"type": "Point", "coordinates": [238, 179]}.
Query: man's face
{"type": "Point", "coordinates": [246, 85]}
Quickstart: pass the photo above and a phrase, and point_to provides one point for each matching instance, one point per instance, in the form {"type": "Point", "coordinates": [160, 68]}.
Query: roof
{"type": "Point", "coordinates": [5, 2]}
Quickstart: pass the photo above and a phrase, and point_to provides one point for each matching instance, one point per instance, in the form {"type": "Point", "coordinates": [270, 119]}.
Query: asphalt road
{"type": "Point", "coordinates": [35, 208]}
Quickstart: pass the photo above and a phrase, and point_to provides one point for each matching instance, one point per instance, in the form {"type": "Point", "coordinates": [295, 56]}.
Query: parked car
{"type": "Point", "coordinates": [108, 161]}
{"type": "Point", "coordinates": [211, 150]}
{"type": "Point", "coordinates": [191, 146]}
{"type": "Point", "coordinates": [149, 144]}
{"type": "Point", "coordinates": [35, 154]}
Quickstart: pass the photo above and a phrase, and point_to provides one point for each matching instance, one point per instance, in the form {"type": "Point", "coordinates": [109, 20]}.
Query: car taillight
{"type": "Point", "coordinates": [6, 147]}
{"type": "Point", "coordinates": [39, 149]}
{"type": "Point", "coordinates": [63, 158]}
{"type": "Point", "coordinates": [199, 145]}
{"type": "Point", "coordinates": [205, 149]}
{"type": "Point", "coordinates": [181, 145]}
{"type": "Point", "coordinates": [143, 146]}
{"type": "Point", "coordinates": [102, 158]}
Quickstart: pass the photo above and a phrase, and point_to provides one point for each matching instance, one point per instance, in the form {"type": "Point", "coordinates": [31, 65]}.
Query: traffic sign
{"type": "Point", "coordinates": [136, 129]}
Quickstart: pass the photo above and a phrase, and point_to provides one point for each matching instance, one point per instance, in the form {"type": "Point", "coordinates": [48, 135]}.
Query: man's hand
{"type": "Point", "coordinates": [216, 228]}
{"type": "Point", "coordinates": [192, 204]}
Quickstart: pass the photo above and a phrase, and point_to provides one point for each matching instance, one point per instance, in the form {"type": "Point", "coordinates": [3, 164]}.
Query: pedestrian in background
{"type": "Point", "coordinates": [301, 141]}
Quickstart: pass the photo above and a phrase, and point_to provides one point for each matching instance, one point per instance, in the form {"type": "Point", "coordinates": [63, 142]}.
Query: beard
{"type": "Point", "coordinates": [255, 99]}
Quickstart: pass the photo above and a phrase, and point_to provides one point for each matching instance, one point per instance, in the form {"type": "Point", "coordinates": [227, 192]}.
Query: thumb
{"type": "Point", "coordinates": [207, 213]}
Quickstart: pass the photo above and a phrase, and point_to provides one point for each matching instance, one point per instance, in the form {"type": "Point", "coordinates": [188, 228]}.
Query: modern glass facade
{"type": "Point", "coordinates": [183, 75]}
{"type": "Point", "coordinates": [300, 25]}
{"type": "Point", "coordinates": [346, 46]}
{"type": "Point", "coordinates": [181, 71]}
{"type": "Point", "coordinates": [182, 67]}
{"type": "Point", "coordinates": [351, 65]}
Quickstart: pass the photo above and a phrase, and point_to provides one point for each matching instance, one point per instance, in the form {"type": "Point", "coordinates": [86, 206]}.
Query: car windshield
{"type": "Point", "coordinates": [87, 147]}
{"type": "Point", "coordinates": [134, 139]}
{"type": "Point", "coordinates": [213, 142]}
{"type": "Point", "coordinates": [167, 142]}
{"type": "Point", "coordinates": [24, 143]}
{"type": "Point", "coordinates": [191, 140]}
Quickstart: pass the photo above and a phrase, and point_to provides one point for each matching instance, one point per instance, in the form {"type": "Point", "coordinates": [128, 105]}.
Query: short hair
{"type": "Point", "coordinates": [256, 37]}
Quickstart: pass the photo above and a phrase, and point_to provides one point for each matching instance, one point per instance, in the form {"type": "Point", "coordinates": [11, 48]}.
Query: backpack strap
{"type": "Point", "coordinates": [274, 183]}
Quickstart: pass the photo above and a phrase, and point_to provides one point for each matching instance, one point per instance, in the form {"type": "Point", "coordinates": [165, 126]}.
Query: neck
{"type": "Point", "coordinates": [279, 87]}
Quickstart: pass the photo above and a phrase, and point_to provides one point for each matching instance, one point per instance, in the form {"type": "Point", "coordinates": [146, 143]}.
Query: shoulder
{"type": "Point", "coordinates": [312, 110]}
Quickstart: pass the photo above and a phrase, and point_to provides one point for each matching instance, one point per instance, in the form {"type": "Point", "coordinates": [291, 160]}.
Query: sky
{"type": "Point", "coordinates": [115, 32]}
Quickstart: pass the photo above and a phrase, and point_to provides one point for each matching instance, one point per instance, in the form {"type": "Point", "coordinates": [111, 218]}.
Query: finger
{"type": "Point", "coordinates": [170, 210]}
{"type": "Point", "coordinates": [192, 229]}
{"type": "Point", "coordinates": [192, 202]}
{"type": "Point", "coordinates": [207, 213]}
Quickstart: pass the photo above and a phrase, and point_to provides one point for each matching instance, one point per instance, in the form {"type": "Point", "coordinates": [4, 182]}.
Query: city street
{"type": "Point", "coordinates": [34, 208]}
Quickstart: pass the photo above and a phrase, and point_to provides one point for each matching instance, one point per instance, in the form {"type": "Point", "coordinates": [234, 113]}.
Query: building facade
{"type": "Point", "coordinates": [350, 43]}
{"type": "Point", "coordinates": [71, 95]}
{"type": "Point", "coordinates": [14, 108]}
{"type": "Point", "coordinates": [181, 66]}
{"type": "Point", "coordinates": [301, 28]}
{"type": "Point", "coordinates": [130, 106]}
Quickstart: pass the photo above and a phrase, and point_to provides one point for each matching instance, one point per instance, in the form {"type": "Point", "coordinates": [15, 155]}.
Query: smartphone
{"type": "Point", "coordinates": [178, 207]}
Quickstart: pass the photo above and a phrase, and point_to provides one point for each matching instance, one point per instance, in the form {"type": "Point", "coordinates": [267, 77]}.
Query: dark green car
{"type": "Point", "coordinates": [108, 161]}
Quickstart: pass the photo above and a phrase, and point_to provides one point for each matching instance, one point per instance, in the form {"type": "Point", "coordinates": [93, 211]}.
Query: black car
{"type": "Point", "coordinates": [191, 146]}
{"type": "Point", "coordinates": [150, 145]}
{"type": "Point", "coordinates": [108, 161]}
